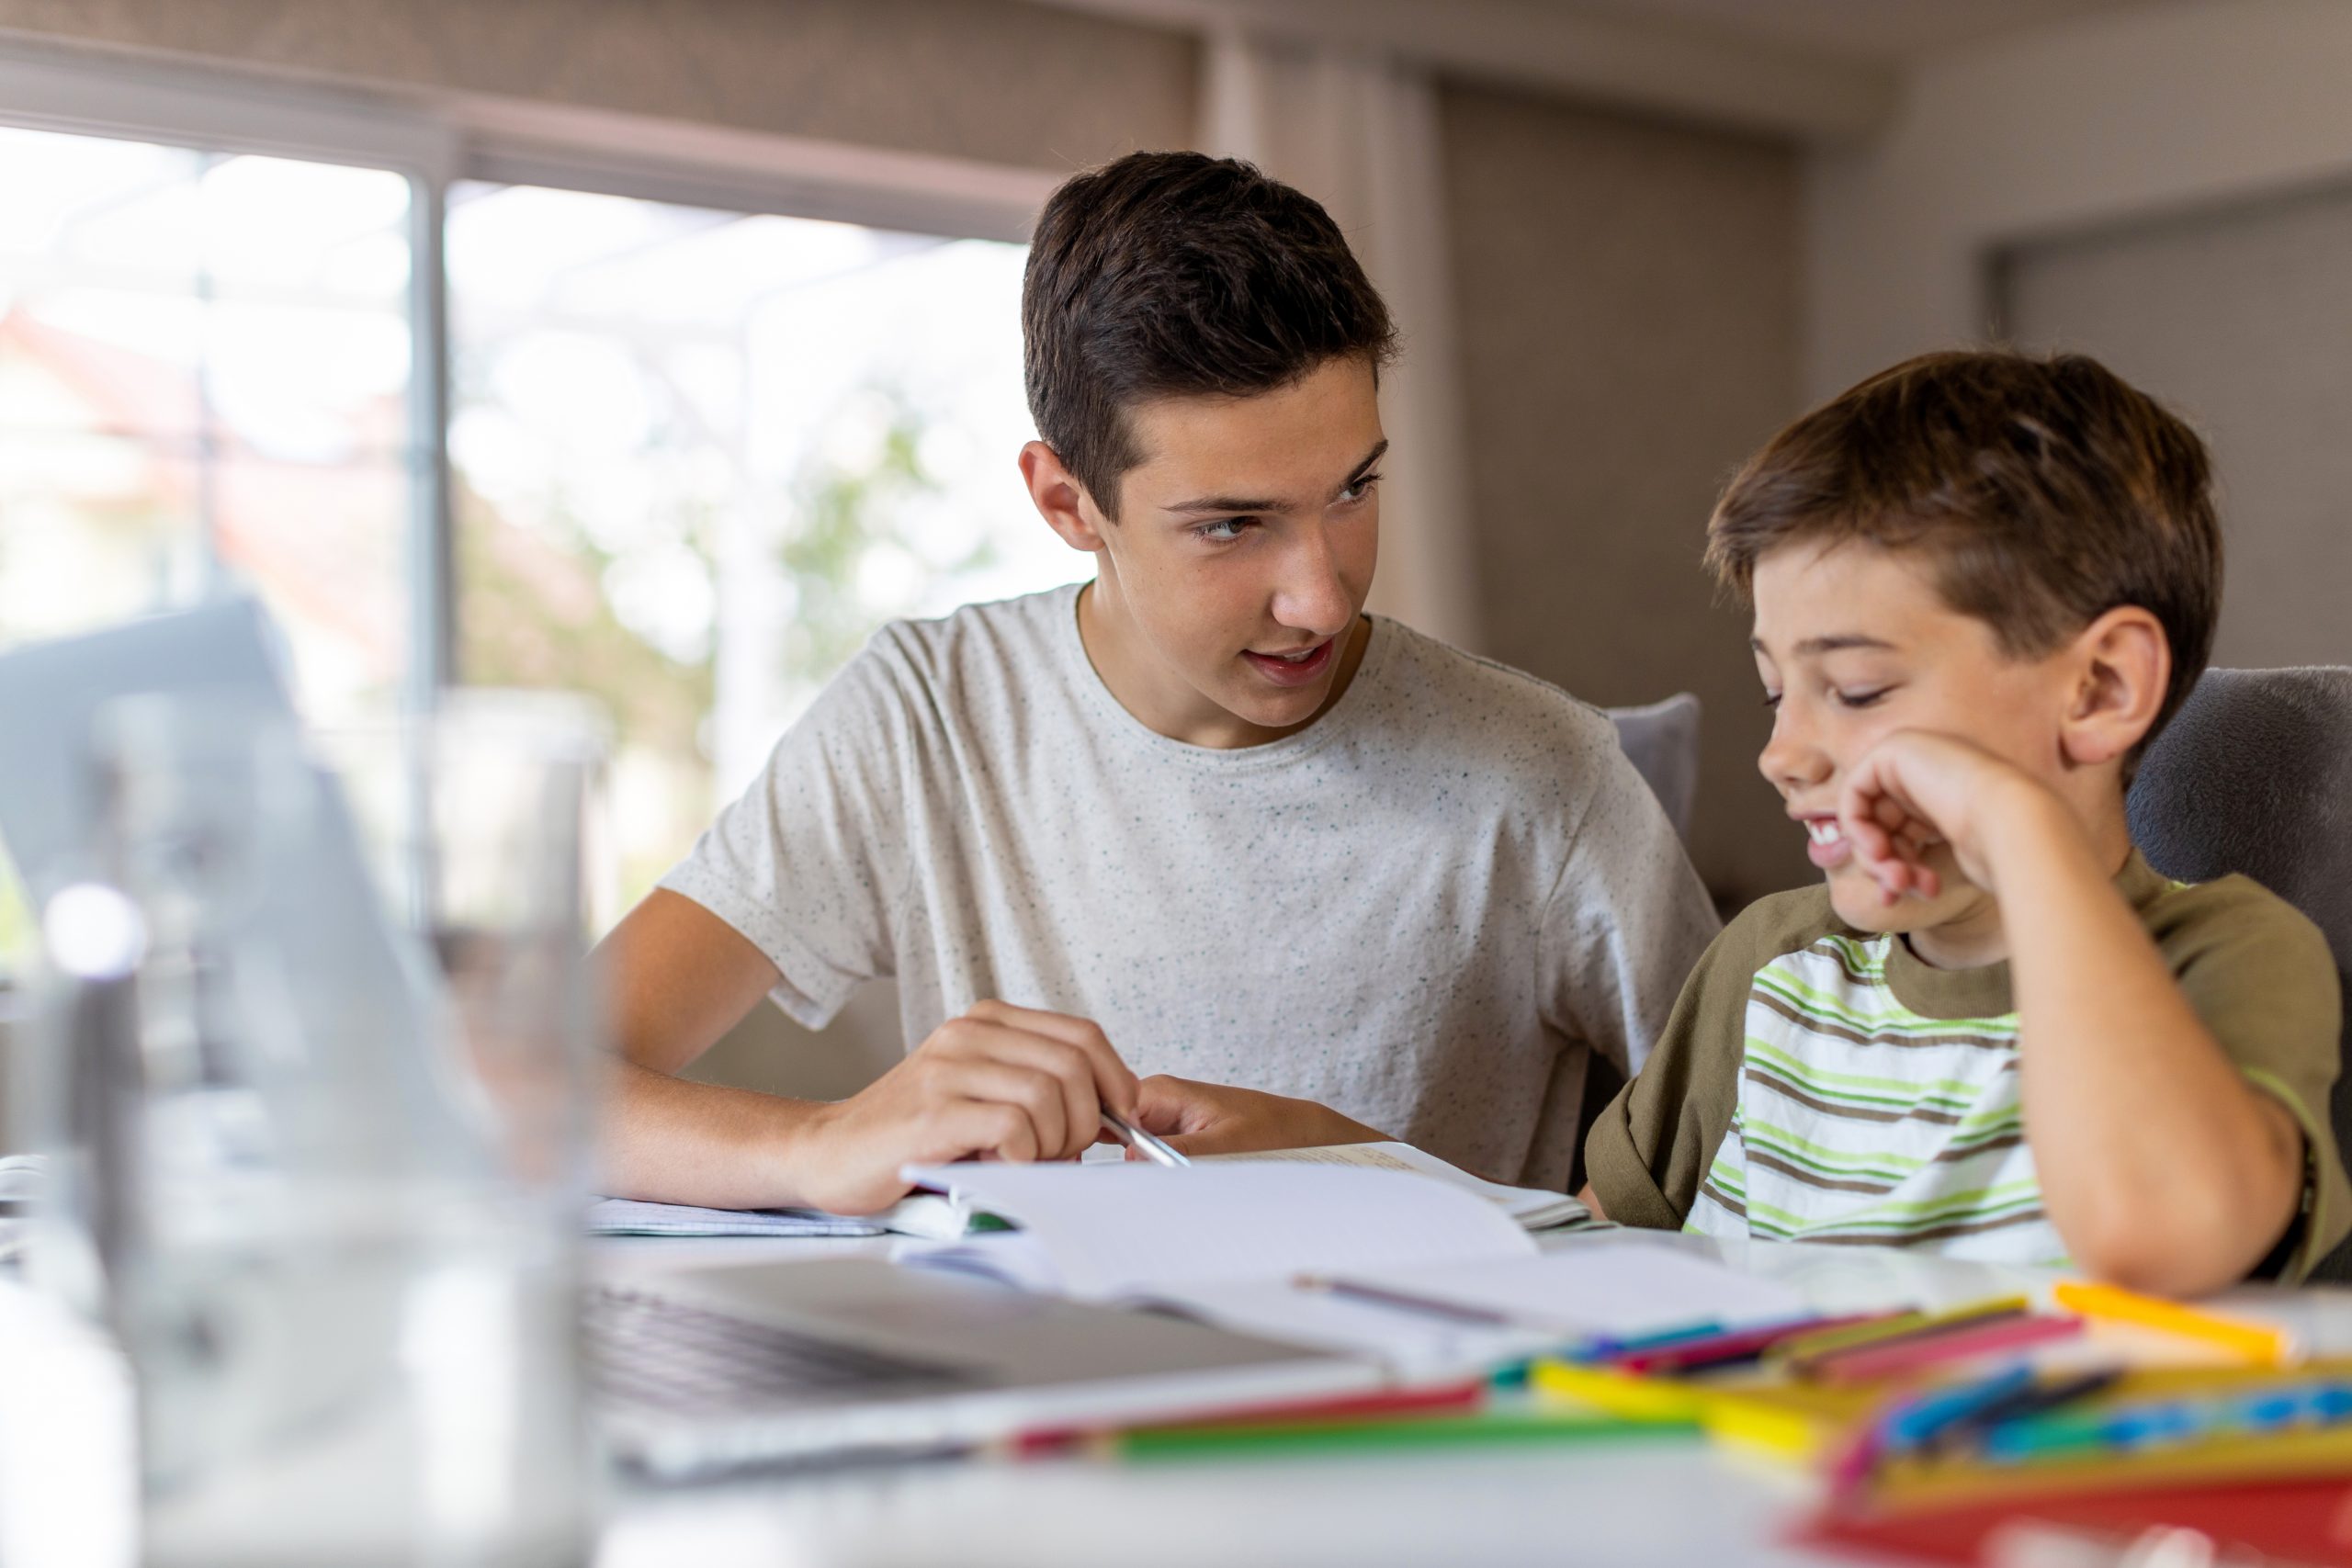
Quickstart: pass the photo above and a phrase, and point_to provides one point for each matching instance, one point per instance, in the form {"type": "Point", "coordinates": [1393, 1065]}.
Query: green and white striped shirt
{"type": "Point", "coordinates": [1818, 1083]}
{"type": "Point", "coordinates": [1859, 1120]}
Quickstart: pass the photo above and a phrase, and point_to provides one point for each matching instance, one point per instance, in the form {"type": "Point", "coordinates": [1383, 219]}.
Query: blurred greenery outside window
{"type": "Point", "coordinates": [698, 455]}
{"type": "Point", "coordinates": [702, 455]}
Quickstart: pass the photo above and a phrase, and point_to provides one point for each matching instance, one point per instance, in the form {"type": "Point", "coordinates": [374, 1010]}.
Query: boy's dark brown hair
{"type": "Point", "coordinates": [1175, 275]}
{"type": "Point", "coordinates": [2047, 491]}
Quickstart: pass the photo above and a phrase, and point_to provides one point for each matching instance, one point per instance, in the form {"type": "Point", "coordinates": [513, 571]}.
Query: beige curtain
{"type": "Point", "coordinates": [1358, 133]}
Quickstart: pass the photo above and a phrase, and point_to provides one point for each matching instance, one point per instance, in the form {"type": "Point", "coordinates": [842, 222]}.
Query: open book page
{"type": "Point", "coordinates": [1612, 1283]}
{"type": "Point", "coordinates": [1606, 1283]}
{"type": "Point", "coordinates": [1120, 1231]}
{"type": "Point", "coordinates": [1415, 1346]}
{"type": "Point", "coordinates": [1531, 1206]}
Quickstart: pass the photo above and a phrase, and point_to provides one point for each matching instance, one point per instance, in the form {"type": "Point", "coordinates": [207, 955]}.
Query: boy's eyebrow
{"type": "Point", "coordinates": [1828, 644]}
{"type": "Point", "coordinates": [1245, 503]}
{"type": "Point", "coordinates": [1357, 473]}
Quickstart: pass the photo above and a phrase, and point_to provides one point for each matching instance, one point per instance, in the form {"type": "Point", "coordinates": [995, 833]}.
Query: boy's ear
{"type": "Point", "coordinates": [2123, 664]}
{"type": "Point", "coordinates": [1060, 500]}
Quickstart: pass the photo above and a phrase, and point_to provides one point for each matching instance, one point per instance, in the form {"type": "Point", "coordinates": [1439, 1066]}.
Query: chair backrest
{"type": "Point", "coordinates": [2254, 775]}
{"type": "Point", "coordinates": [1661, 740]}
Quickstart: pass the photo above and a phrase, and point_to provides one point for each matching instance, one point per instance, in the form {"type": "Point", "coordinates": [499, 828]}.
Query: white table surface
{"type": "Point", "coordinates": [1663, 1502]}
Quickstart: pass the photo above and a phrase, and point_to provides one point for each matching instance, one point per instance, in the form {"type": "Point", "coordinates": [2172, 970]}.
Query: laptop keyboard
{"type": "Point", "coordinates": [649, 1350]}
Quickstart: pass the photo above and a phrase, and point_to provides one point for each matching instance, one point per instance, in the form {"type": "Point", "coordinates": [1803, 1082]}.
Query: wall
{"type": "Point", "coordinates": [2240, 319]}
{"type": "Point", "coordinates": [994, 81]}
{"type": "Point", "coordinates": [2113, 117]}
{"type": "Point", "coordinates": [1630, 331]}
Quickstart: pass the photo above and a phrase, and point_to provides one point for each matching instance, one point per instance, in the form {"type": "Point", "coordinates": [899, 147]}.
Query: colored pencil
{"type": "Point", "coordinates": [1611, 1347]}
{"type": "Point", "coordinates": [1727, 1348]}
{"type": "Point", "coordinates": [1874, 1441]}
{"type": "Point", "coordinates": [1804, 1355]}
{"type": "Point", "coordinates": [1881, 1327]}
{"type": "Point", "coordinates": [1399, 1402]}
{"type": "Point", "coordinates": [2176, 1423]}
{"type": "Point", "coordinates": [1622, 1394]}
{"type": "Point", "coordinates": [2259, 1343]}
{"type": "Point", "coordinates": [1308, 1438]}
{"type": "Point", "coordinates": [1908, 1353]}
{"type": "Point", "coordinates": [1919, 1423]}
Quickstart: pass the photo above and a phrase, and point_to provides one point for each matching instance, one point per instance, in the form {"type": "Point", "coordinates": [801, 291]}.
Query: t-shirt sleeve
{"type": "Point", "coordinates": [809, 862]}
{"type": "Point", "coordinates": [2261, 977]}
{"type": "Point", "coordinates": [1651, 1145]}
{"type": "Point", "coordinates": [1626, 920]}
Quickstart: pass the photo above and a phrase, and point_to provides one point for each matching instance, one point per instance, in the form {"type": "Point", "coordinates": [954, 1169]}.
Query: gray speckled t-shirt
{"type": "Point", "coordinates": [1422, 910]}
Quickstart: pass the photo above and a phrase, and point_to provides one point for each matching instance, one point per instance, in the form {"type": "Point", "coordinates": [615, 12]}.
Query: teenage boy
{"type": "Point", "coordinates": [1201, 816]}
{"type": "Point", "coordinates": [1982, 582]}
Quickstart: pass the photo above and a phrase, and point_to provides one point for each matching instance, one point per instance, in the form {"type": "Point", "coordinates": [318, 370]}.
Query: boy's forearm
{"type": "Point", "coordinates": [678, 1142]}
{"type": "Point", "coordinates": [2159, 1164]}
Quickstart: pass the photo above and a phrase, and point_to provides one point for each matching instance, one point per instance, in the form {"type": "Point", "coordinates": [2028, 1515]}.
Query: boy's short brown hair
{"type": "Point", "coordinates": [2048, 492]}
{"type": "Point", "coordinates": [1176, 275]}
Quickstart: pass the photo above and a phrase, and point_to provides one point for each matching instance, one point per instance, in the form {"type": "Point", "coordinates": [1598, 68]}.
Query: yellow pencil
{"type": "Point", "coordinates": [2259, 1343]}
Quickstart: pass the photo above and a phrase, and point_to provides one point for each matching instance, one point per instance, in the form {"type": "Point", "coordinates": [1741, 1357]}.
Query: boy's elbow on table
{"type": "Point", "coordinates": [2174, 1242]}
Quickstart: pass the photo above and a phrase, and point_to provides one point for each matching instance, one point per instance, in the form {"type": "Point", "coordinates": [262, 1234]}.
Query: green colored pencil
{"type": "Point", "coordinates": [1501, 1429]}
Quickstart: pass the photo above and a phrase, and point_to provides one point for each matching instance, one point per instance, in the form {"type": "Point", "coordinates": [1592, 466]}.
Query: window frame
{"type": "Point", "coordinates": [435, 139]}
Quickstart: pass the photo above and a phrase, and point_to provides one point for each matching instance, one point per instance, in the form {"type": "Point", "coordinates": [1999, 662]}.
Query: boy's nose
{"type": "Point", "coordinates": [1310, 594]}
{"type": "Point", "coordinates": [1790, 759]}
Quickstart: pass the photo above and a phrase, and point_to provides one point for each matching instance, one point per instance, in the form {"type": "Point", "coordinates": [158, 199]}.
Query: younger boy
{"type": "Point", "coordinates": [1982, 582]}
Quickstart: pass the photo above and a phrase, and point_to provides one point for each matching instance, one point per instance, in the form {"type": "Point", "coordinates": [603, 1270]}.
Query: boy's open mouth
{"type": "Point", "coordinates": [1297, 668]}
{"type": "Point", "coordinates": [1827, 843]}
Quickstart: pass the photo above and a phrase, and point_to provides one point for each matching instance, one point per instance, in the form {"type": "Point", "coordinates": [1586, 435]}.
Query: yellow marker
{"type": "Point", "coordinates": [1763, 1425]}
{"type": "Point", "coordinates": [2259, 1343]}
{"type": "Point", "coordinates": [1785, 1421]}
{"type": "Point", "coordinates": [1625, 1394]}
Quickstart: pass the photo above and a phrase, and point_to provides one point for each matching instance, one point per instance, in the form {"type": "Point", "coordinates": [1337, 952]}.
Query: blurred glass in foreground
{"type": "Point", "coordinates": [329, 1152]}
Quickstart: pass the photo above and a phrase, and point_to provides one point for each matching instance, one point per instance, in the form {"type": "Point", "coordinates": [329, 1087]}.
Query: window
{"type": "Point", "coordinates": [692, 455]}
{"type": "Point", "coordinates": [701, 455]}
{"type": "Point", "coordinates": [204, 365]}
{"type": "Point", "coordinates": [204, 379]}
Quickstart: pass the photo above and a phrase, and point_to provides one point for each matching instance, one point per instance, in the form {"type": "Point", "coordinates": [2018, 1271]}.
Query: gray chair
{"type": "Point", "coordinates": [1661, 740]}
{"type": "Point", "coordinates": [2254, 775]}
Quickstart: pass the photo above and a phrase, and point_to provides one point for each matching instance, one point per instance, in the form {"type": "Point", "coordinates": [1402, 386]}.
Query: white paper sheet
{"type": "Point", "coordinates": [1531, 1206]}
{"type": "Point", "coordinates": [1120, 1231]}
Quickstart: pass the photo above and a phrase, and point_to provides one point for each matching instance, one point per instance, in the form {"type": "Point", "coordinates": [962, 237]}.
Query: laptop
{"type": "Point", "coordinates": [701, 1372]}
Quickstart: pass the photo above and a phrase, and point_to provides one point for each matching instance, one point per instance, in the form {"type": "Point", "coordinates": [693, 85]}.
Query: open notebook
{"type": "Point", "coordinates": [1302, 1251]}
{"type": "Point", "coordinates": [928, 1215]}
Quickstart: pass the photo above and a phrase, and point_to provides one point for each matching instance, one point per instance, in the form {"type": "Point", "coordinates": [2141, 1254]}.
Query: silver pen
{"type": "Point", "coordinates": [1136, 1138]}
